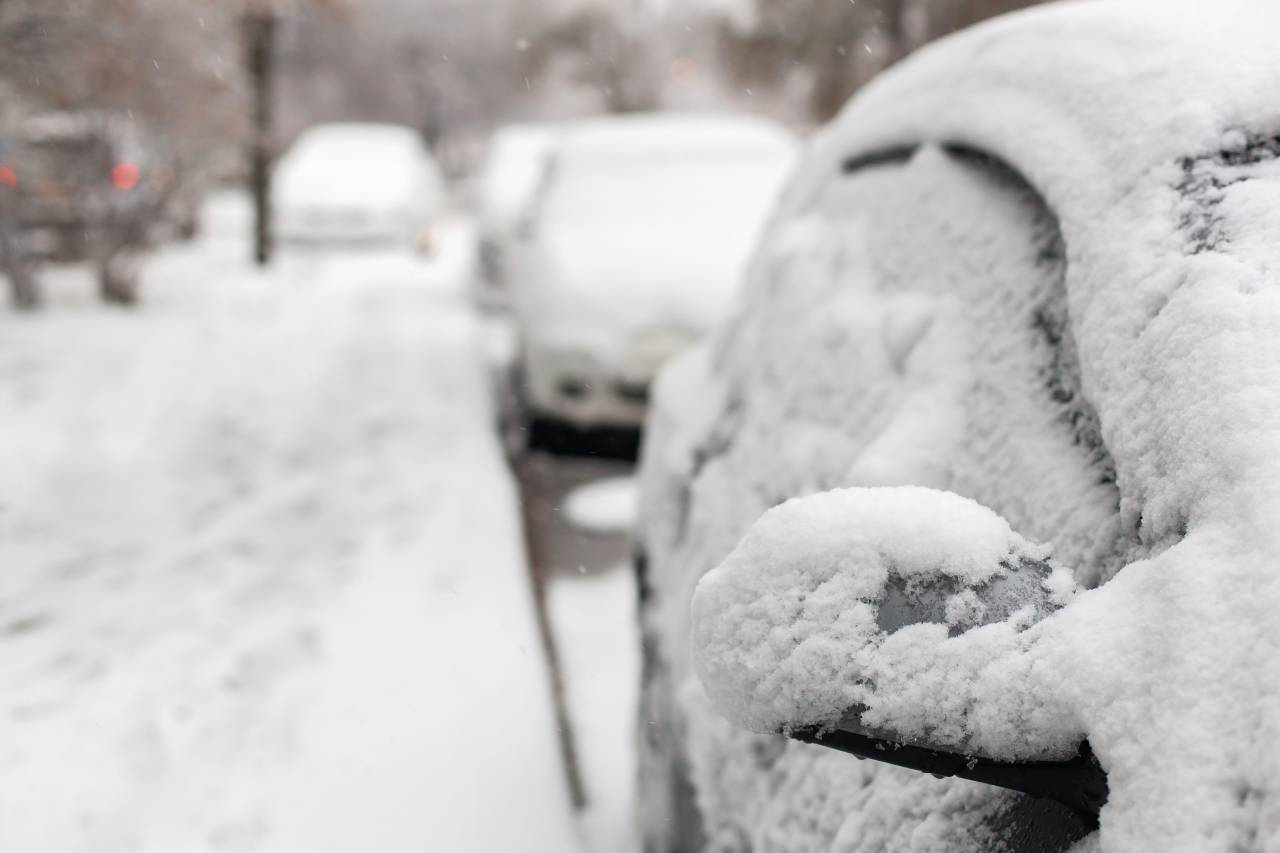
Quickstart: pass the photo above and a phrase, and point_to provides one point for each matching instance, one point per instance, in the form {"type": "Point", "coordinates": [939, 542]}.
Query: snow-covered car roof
{"type": "Point", "coordinates": [356, 165]}
{"type": "Point", "coordinates": [1152, 132]}
{"type": "Point", "coordinates": [57, 125]}
{"type": "Point", "coordinates": [687, 134]}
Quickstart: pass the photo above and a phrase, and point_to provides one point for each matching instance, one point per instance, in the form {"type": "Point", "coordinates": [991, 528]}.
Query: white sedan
{"type": "Point", "coordinates": [637, 243]}
{"type": "Point", "coordinates": [357, 183]}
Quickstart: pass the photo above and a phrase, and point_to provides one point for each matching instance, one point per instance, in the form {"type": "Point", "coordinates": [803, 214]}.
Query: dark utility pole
{"type": "Point", "coordinates": [259, 29]}
{"type": "Point", "coordinates": [23, 289]}
{"type": "Point", "coordinates": [22, 284]}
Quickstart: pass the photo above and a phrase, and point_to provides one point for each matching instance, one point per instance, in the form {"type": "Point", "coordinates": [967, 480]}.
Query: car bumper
{"type": "Point", "coordinates": [582, 389]}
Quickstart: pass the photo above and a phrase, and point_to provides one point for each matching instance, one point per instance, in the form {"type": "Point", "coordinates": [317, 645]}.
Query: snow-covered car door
{"type": "Point", "coordinates": [907, 324]}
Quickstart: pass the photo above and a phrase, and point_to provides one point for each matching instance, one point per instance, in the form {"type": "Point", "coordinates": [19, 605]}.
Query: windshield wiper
{"type": "Point", "coordinates": [1079, 783]}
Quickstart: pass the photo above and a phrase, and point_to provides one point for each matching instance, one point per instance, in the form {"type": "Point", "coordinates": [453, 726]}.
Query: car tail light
{"type": "Point", "coordinates": [8, 177]}
{"type": "Point", "coordinates": [124, 176]}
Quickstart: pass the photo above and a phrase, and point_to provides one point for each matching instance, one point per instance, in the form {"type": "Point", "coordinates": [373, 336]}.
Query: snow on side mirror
{"type": "Point", "coordinates": [884, 622]}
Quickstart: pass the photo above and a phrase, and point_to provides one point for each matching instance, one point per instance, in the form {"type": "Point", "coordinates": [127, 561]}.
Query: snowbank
{"type": "Point", "coordinates": [604, 505]}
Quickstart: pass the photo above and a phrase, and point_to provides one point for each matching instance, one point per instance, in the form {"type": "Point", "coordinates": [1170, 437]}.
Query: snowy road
{"type": "Point", "coordinates": [262, 584]}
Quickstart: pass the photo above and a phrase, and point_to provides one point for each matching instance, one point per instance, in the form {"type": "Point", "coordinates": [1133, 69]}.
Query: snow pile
{"type": "Point", "coordinates": [603, 506]}
{"type": "Point", "coordinates": [1099, 368]}
{"type": "Point", "coordinates": [850, 598]}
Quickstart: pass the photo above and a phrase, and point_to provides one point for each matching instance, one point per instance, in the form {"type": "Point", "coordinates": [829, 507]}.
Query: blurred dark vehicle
{"type": "Point", "coordinates": [633, 248]}
{"type": "Point", "coordinates": [95, 187]}
{"type": "Point", "coordinates": [358, 183]}
{"type": "Point", "coordinates": [513, 168]}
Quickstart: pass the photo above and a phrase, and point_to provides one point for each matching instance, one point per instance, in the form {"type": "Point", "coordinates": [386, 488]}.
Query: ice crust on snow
{"type": "Point", "coordinates": [1084, 342]}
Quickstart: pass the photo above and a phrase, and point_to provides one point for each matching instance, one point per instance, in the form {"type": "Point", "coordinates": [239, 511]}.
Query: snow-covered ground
{"type": "Point", "coordinates": [593, 617]}
{"type": "Point", "coordinates": [262, 585]}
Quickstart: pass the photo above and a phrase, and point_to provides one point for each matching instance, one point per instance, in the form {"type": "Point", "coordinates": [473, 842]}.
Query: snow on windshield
{"type": "Point", "coordinates": [353, 164]}
{"type": "Point", "coordinates": [671, 189]}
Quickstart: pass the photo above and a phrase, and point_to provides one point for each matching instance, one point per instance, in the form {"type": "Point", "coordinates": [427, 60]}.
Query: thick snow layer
{"type": "Point", "coordinates": [646, 226]}
{"type": "Point", "coordinates": [1111, 389]}
{"type": "Point", "coordinates": [263, 586]}
{"type": "Point", "coordinates": [603, 505]}
{"type": "Point", "coordinates": [513, 169]}
{"type": "Point", "coordinates": [850, 599]}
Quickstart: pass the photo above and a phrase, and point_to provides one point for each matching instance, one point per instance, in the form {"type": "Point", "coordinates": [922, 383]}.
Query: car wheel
{"type": "Point", "coordinates": [118, 280]}
{"type": "Point", "coordinates": [188, 228]}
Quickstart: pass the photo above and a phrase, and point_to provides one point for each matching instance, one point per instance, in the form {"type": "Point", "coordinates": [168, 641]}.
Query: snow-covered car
{"type": "Point", "coordinates": [637, 243]}
{"type": "Point", "coordinates": [982, 477]}
{"type": "Point", "coordinates": [513, 168]}
{"type": "Point", "coordinates": [357, 183]}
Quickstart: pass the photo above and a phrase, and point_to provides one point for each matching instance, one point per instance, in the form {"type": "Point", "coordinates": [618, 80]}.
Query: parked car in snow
{"type": "Point", "coordinates": [513, 169]}
{"type": "Point", "coordinates": [637, 242]}
{"type": "Point", "coordinates": [981, 480]}
{"type": "Point", "coordinates": [357, 183]}
{"type": "Point", "coordinates": [95, 186]}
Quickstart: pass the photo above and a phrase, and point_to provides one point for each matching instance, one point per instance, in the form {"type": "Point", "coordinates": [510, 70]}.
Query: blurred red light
{"type": "Point", "coordinates": [683, 69]}
{"type": "Point", "coordinates": [124, 176]}
{"type": "Point", "coordinates": [8, 177]}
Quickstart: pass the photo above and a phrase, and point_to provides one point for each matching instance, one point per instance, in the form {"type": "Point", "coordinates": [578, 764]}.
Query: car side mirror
{"type": "Point", "coordinates": [849, 618]}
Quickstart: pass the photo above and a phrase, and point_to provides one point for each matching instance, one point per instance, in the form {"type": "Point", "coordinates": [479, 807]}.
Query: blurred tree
{"type": "Point", "coordinates": [168, 63]}
{"type": "Point", "coordinates": [445, 67]}
{"type": "Point", "coordinates": [837, 46]}
{"type": "Point", "coordinates": [610, 48]}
